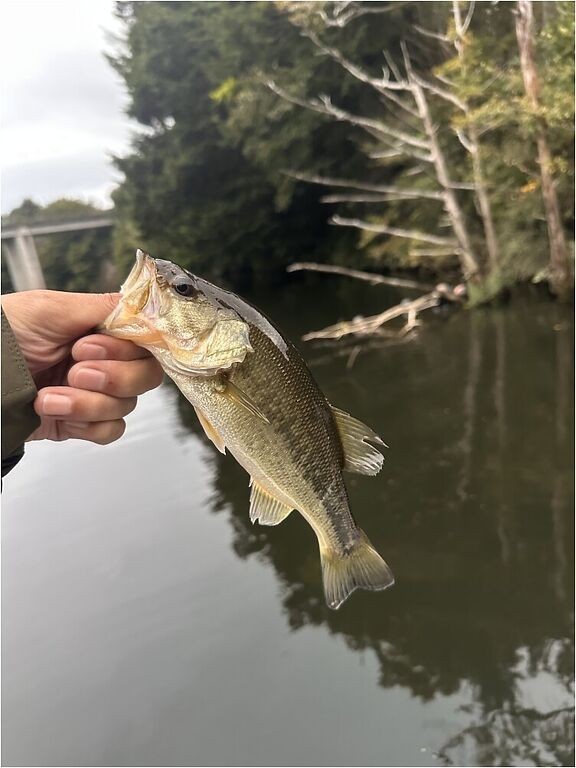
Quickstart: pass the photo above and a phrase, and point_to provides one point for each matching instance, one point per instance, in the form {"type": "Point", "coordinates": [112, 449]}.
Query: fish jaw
{"type": "Point", "coordinates": [139, 306]}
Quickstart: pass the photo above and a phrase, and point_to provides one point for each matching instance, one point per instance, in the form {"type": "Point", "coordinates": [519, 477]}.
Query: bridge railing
{"type": "Point", "coordinates": [22, 259]}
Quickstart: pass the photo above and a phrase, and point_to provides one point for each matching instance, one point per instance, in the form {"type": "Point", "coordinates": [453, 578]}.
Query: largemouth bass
{"type": "Point", "coordinates": [254, 396]}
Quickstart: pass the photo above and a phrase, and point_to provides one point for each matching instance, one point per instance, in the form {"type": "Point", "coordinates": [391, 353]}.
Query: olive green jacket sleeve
{"type": "Point", "coordinates": [19, 419]}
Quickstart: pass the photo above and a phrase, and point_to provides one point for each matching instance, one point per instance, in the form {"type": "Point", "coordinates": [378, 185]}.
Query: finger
{"type": "Point", "coordinates": [102, 432]}
{"type": "Point", "coordinates": [71, 404]}
{"type": "Point", "coordinates": [115, 377]}
{"type": "Point", "coordinates": [97, 346]}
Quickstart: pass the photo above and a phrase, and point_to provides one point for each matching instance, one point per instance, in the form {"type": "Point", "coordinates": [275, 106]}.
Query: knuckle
{"type": "Point", "coordinates": [129, 404]}
{"type": "Point", "coordinates": [80, 406]}
{"type": "Point", "coordinates": [109, 431]}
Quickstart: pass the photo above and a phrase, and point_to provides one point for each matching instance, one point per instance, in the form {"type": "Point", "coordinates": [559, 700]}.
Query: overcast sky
{"type": "Point", "coordinates": [62, 105]}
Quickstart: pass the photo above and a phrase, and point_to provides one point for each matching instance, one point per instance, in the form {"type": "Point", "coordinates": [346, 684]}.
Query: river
{"type": "Point", "coordinates": [147, 622]}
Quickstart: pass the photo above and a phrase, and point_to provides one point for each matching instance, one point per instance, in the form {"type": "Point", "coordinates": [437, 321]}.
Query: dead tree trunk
{"type": "Point", "coordinates": [492, 248]}
{"type": "Point", "coordinates": [468, 260]}
{"type": "Point", "coordinates": [560, 279]}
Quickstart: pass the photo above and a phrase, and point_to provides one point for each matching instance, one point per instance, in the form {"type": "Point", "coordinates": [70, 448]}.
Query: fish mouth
{"type": "Point", "coordinates": [140, 301]}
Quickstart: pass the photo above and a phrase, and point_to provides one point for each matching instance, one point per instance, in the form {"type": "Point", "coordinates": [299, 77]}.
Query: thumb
{"type": "Point", "coordinates": [46, 323]}
{"type": "Point", "coordinates": [62, 316]}
{"type": "Point", "coordinates": [81, 312]}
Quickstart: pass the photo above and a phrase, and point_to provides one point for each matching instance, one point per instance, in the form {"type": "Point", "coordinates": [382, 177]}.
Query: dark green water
{"type": "Point", "coordinates": [147, 622]}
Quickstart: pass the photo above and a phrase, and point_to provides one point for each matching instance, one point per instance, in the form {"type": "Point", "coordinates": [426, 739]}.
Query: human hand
{"type": "Point", "coordinates": [86, 384]}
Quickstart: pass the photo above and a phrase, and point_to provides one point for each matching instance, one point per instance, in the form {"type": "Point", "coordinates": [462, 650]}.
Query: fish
{"type": "Point", "coordinates": [255, 397]}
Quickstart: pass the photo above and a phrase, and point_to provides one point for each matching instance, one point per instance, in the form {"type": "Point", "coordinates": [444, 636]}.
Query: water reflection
{"type": "Point", "coordinates": [473, 512]}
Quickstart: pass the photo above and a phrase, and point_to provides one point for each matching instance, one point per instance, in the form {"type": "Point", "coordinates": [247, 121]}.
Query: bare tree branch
{"type": "Point", "coordinates": [328, 181]}
{"type": "Point", "coordinates": [445, 80]}
{"type": "Point", "coordinates": [393, 68]}
{"type": "Point", "coordinates": [465, 141]}
{"type": "Point", "coordinates": [465, 185]}
{"type": "Point", "coordinates": [324, 106]}
{"type": "Point", "coordinates": [433, 252]}
{"type": "Point", "coordinates": [429, 33]}
{"type": "Point", "coordinates": [400, 102]}
{"type": "Point", "coordinates": [384, 83]}
{"type": "Point", "coordinates": [468, 260]}
{"type": "Point", "coordinates": [370, 277]}
{"type": "Point", "coordinates": [340, 19]}
{"type": "Point", "coordinates": [383, 229]}
{"type": "Point", "coordinates": [363, 198]}
{"type": "Point", "coordinates": [386, 154]}
{"type": "Point", "coordinates": [468, 19]}
{"type": "Point", "coordinates": [441, 92]}
{"type": "Point", "coordinates": [363, 326]}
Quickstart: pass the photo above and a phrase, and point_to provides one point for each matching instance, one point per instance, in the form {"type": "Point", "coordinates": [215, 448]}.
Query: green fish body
{"type": "Point", "coordinates": [260, 402]}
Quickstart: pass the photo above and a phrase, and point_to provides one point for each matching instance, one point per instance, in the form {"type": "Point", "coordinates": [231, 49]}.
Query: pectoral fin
{"type": "Point", "coordinates": [241, 398]}
{"type": "Point", "coordinates": [359, 456]}
{"type": "Point", "coordinates": [210, 431]}
{"type": "Point", "coordinates": [264, 508]}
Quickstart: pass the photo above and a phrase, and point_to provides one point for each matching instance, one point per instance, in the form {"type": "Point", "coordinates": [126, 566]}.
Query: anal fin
{"type": "Point", "coordinates": [264, 508]}
{"type": "Point", "coordinates": [359, 456]}
{"type": "Point", "coordinates": [210, 431]}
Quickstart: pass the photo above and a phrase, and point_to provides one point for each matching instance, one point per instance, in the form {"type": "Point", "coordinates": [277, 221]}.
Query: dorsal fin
{"type": "Point", "coordinates": [264, 508]}
{"type": "Point", "coordinates": [359, 456]}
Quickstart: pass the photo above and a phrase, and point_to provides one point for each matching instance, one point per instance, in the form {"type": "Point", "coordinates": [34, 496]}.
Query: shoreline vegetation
{"type": "Point", "coordinates": [433, 139]}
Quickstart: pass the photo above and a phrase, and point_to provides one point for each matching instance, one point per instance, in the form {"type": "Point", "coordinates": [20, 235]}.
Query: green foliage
{"type": "Point", "coordinates": [489, 79]}
{"type": "Point", "coordinates": [71, 261]}
{"type": "Point", "coordinates": [206, 183]}
{"type": "Point", "coordinates": [200, 188]}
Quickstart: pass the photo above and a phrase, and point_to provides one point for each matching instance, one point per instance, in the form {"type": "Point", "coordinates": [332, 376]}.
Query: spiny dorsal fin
{"type": "Point", "coordinates": [264, 508]}
{"type": "Point", "coordinates": [210, 431]}
{"type": "Point", "coordinates": [359, 456]}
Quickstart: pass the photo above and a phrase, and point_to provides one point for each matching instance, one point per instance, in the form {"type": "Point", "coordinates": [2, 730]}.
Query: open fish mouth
{"type": "Point", "coordinates": [137, 287]}
{"type": "Point", "coordinates": [140, 296]}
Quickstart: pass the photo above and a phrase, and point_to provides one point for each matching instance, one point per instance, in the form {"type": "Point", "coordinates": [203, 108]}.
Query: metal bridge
{"type": "Point", "coordinates": [19, 248]}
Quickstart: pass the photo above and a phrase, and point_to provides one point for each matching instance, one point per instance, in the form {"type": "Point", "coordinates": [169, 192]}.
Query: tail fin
{"type": "Point", "coordinates": [362, 568]}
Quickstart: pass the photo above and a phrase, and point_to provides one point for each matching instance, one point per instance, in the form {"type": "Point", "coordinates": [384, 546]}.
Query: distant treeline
{"type": "Point", "coordinates": [434, 136]}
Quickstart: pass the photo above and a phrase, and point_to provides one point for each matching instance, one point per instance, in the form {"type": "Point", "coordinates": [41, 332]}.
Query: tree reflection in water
{"type": "Point", "coordinates": [472, 511]}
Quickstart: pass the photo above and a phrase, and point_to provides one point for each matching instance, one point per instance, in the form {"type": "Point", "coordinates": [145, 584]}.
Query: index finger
{"type": "Point", "coordinates": [97, 346]}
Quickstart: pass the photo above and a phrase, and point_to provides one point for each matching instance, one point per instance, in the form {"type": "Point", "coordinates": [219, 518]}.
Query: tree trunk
{"type": "Point", "coordinates": [560, 278]}
{"type": "Point", "coordinates": [484, 202]}
{"type": "Point", "coordinates": [481, 192]}
{"type": "Point", "coordinates": [468, 260]}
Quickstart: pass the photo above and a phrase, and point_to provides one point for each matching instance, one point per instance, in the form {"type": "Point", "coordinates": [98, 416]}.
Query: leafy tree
{"type": "Point", "coordinates": [213, 177]}
{"type": "Point", "coordinates": [205, 182]}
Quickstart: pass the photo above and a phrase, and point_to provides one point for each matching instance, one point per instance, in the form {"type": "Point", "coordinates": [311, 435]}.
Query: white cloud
{"type": "Point", "coordinates": [62, 103]}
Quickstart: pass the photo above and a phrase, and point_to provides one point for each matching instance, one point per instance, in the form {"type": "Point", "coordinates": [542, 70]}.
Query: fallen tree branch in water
{"type": "Point", "coordinates": [372, 325]}
{"type": "Point", "coordinates": [370, 277]}
{"type": "Point", "coordinates": [365, 326]}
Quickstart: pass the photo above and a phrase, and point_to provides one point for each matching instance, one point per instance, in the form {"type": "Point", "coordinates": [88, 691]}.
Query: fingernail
{"type": "Point", "coordinates": [90, 378]}
{"type": "Point", "coordinates": [94, 351]}
{"type": "Point", "coordinates": [76, 424]}
{"type": "Point", "coordinates": [56, 405]}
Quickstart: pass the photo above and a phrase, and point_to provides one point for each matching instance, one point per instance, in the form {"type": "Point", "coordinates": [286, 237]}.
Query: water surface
{"type": "Point", "coordinates": [147, 622]}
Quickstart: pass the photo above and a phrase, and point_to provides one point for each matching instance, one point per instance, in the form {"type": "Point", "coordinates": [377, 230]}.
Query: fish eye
{"type": "Point", "coordinates": [184, 289]}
